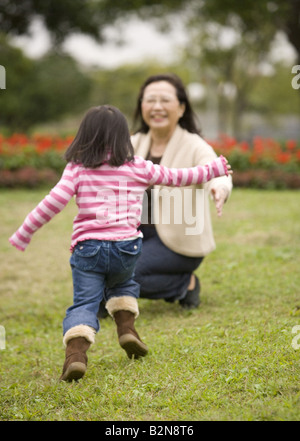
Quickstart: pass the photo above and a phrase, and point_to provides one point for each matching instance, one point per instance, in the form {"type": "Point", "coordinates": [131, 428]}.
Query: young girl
{"type": "Point", "coordinates": [108, 182]}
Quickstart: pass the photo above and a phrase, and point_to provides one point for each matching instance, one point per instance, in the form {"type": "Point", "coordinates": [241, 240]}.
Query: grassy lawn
{"type": "Point", "coordinates": [232, 359]}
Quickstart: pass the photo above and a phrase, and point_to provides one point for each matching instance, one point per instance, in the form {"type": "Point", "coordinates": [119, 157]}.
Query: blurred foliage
{"type": "Point", "coordinates": [61, 18]}
{"type": "Point", "coordinates": [120, 86]}
{"type": "Point", "coordinates": [54, 86]}
{"type": "Point", "coordinates": [237, 69]}
{"type": "Point", "coordinates": [273, 94]}
{"type": "Point", "coordinates": [260, 20]}
{"type": "Point", "coordinates": [39, 90]}
{"type": "Point", "coordinates": [65, 17]}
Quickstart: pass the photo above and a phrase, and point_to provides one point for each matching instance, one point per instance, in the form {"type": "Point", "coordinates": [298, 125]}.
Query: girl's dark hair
{"type": "Point", "coordinates": [187, 121]}
{"type": "Point", "coordinates": [103, 136]}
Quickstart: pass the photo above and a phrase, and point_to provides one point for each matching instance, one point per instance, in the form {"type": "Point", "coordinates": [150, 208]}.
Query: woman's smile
{"type": "Point", "coordinates": [161, 109]}
{"type": "Point", "coordinates": [158, 117]}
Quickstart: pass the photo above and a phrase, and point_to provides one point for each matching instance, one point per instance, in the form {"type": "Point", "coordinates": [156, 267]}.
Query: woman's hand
{"type": "Point", "coordinates": [220, 196]}
{"type": "Point", "coordinates": [228, 167]}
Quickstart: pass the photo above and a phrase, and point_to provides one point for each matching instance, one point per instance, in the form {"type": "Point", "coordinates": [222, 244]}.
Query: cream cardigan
{"type": "Point", "coordinates": [185, 149]}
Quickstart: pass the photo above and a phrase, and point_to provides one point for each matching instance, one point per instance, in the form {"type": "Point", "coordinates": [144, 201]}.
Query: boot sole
{"type": "Point", "coordinates": [133, 347]}
{"type": "Point", "coordinates": [75, 371]}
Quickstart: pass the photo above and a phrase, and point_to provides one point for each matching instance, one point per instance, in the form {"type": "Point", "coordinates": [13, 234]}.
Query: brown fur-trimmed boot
{"type": "Point", "coordinates": [124, 311]}
{"type": "Point", "coordinates": [77, 341]}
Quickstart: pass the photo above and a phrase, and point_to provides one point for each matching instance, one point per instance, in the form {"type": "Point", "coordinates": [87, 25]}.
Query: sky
{"type": "Point", "coordinates": [141, 41]}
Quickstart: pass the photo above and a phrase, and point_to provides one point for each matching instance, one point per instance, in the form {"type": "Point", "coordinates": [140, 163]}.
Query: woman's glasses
{"type": "Point", "coordinates": [164, 100]}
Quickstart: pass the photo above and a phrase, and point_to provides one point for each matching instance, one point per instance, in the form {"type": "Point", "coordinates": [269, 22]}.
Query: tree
{"type": "Point", "coordinates": [229, 69]}
{"type": "Point", "coordinates": [64, 17]}
{"type": "Point", "coordinates": [265, 17]}
{"type": "Point", "coordinates": [91, 16]}
{"type": "Point", "coordinates": [39, 90]}
{"type": "Point", "coordinates": [272, 94]}
{"type": "Point", "coordinates": [60, 17]}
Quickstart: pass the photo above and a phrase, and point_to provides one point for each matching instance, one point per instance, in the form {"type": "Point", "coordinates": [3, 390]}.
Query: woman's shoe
{"type": "Point", "coordinates": [192, 297]}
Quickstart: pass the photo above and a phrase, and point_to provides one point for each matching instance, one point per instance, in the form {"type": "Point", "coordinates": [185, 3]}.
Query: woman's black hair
{"type": "Point", "coordinates": [188, 119]}
{"type": "Point", "coordinates": [103, 136]}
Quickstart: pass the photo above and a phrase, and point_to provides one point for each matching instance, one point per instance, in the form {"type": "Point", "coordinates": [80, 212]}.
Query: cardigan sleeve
{"type": "Point", "coordinates": [51, 205]}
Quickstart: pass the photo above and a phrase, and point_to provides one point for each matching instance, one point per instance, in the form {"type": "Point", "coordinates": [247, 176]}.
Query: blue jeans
{"type": "Point", "coordinates": [100, 269]}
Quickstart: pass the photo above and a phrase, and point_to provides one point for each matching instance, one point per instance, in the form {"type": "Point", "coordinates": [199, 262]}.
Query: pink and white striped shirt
{"type": "Point", "coordinates": [109, 199]}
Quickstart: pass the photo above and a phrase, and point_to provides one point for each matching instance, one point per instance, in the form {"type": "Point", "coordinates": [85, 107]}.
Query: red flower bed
{"type": "Point", "coordinates": [18, 143]}
{"type": "Point", "coordinates": [260, 149]}
{"type": "Point", "coordinates": [263, 162]}
{"type": "Point", "coordinates": [31, 161]}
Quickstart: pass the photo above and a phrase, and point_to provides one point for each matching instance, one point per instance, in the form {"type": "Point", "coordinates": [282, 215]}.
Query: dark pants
{"type": "Point", "coordinates": [162, 273]}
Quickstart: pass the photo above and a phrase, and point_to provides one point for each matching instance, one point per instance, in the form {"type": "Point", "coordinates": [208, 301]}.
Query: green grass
{"type": "Point", "coordinates": [232, 359]}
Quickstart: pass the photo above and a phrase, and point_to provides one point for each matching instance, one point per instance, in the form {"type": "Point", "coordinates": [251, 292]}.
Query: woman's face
{"type": "Point", "coordinates": [161, 109]}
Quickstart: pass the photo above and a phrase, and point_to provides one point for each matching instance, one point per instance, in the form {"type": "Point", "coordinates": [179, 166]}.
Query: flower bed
{"type": "Point", "coordinates": [262, 163]}
{"type": "Point", "coordinates": [31, 161]}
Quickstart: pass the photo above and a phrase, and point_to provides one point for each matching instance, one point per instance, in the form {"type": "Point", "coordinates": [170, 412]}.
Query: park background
{"type": "Point", "coordinates": [237, 357]}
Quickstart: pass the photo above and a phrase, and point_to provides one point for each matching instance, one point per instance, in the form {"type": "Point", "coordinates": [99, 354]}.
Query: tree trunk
{"type": "Point", "coordinates": [292, 28]}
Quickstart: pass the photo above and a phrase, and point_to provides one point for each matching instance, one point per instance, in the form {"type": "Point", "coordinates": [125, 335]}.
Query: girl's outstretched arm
{"type": "Point", "coordinates": [52, 204]}
{"type": "Point", "coordinates": [179, 177]}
